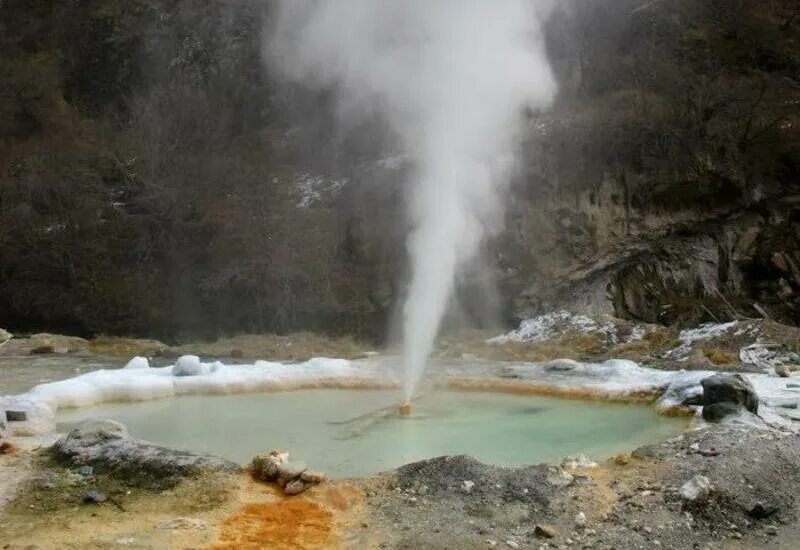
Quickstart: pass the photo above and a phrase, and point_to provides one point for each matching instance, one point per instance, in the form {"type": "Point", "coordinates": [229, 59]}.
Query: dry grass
{"type": "Point", "coordinates": [126, 347]}
{"type": "Point", "coordinates": [719, 356]}
{"type": "Point", "coordinates": [654, 343]}
{"type": "Point", "coordinates": [579, 346]}
{"type": "Point", "coordinates": [300, 346]}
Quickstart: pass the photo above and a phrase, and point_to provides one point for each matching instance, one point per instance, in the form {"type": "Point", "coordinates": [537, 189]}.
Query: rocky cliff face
{"type": "Point", "coordinates": [664, 186]}
{"type": "Point", "coordinates": [169, 186]}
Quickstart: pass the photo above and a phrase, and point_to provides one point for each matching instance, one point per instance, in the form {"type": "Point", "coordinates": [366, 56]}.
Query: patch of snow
{"type": "Point", "coordinates": [547, 326]}
{"type": "Point", "coordinates": [613, 378]}
{"type": "Point", "coordinates": [638, 332]}
{"type": "Point", "coordinates": [392, 163]}
{"type": "Point", "coordinates": [314, 189]}
{"type": "Point", "coordinates": [766, 356]}
{"type": "Point", "coordinates": [138, 363]}
{"type": "Point", "coordinates": [560, 323]}
{"type": "Point", "coordinates": [192, 378]}
{"type": "Point", "coordinates": [621, 378]}
{"type": "Point", "coordinates": [687, 337]}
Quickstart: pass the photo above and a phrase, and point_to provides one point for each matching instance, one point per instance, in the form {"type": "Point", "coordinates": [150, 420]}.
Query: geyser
{"type": "Point", "coordinates": [452, 78]}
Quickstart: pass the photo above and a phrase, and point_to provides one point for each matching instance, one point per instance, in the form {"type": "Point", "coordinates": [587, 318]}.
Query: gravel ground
{"type": "Point", "coordinates": [629, 502]}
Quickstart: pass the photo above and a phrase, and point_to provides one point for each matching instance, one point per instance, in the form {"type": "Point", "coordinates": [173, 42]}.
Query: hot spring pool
{"type": "Point", "coordinates": [494, 428]}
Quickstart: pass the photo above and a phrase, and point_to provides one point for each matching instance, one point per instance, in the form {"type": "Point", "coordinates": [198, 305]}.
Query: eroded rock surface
{"type": "Point", "coordinates": [107, 447]}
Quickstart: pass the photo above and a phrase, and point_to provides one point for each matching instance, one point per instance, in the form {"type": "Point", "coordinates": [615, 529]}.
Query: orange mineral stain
{"type": "Point", "coordinates": [290, 523]}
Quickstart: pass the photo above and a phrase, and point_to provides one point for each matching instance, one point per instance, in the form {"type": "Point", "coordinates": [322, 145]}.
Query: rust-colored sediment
{"type": "Point", "coordinates": [267, 518]}
{"type": "Point", "coordinates": [519, 387]}
{"type": "Point", "coordinates": [289, 523]}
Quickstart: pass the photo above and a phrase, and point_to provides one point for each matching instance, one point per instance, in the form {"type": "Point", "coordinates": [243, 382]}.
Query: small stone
{"type": "Point", "coordinates": [578, 461]}
{"type": "Point", "coordinates": [187, 365]}
{"type": "Point", "coordinates": [94, 497]}
{"type": "Point", "coordinates": [544, 531]}
{"type": "Point", "coordinates": [295, 487]}
{"type": "Point", "coordinates": [512, 544]}
{"type": "Point", "coordinates": [267, 467]}
{"type": "Point", "coordinates": [783, 371]}
{"type": "Point", "coordinates": [711, 451]}
{"type": "Point", "coordinates": [310, 476]}
{"type": "Point", "coordinates": [771, 530]}
{"type": "Point", "coordinates": [622, 459]}
{"type": "Point", "coordinates": [467, 485]}
{"type": "Point", "coordinates": [182, 523]}
{"type": "Point", "coordinates": [558, 477]}
{"type": "Point", "coordinates": [86, 470]}
{"type": "Point", "coordinates": [580, 520]}
{"type": "Point", "coordinates": [16, 416]}
{"type": "Point", "coordinates": [696, 489]}
{"type": "Point", "coordinates": [292, 470]}
{"type": "Point", "coordinates": [491, 542]}
{"type": "Point", "coordinates": [761, 510]}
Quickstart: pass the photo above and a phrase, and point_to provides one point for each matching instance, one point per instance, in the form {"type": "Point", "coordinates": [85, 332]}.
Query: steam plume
{"type": "Point", "coordinates": [452, 78]}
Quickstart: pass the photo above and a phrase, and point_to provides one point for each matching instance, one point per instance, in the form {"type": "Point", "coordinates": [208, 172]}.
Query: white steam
{"type": "Point", "coordinates": [452, 78]}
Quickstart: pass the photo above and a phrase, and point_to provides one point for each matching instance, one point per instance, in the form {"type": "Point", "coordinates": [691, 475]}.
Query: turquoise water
{"type": "Point", "coordinates": [312, 425]}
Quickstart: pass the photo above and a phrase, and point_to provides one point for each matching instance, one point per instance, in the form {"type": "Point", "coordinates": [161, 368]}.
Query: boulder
{"type": "Point", "coordinates": [716, 412]}
{"type": "Point", "coordinates": [729, 388]}
{"type": "Point", "coordinates": [107, 447]}
{"type": "Point", "coordinates": [5, 336]}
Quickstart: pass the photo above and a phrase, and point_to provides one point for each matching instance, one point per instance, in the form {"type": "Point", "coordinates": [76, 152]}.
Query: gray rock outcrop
{"type": "Point", "coordinates": [107, 447]}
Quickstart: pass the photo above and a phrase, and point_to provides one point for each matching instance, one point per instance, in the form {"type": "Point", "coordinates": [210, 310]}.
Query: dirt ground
{"type": "Point", "coordinates": [216, 512]}
{"type": "Point", "coordinates": [632, 501]}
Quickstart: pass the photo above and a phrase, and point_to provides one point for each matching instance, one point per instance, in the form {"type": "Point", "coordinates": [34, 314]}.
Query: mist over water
{"type": "Point", "coordinates": [452, 78]}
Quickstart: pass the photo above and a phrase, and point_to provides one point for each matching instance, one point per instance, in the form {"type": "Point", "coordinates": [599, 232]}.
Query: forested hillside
{"type": "Point", "coordinates": [155, 180]}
